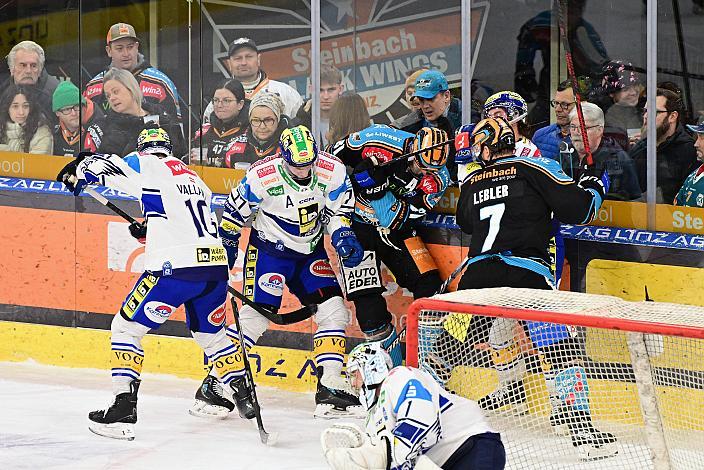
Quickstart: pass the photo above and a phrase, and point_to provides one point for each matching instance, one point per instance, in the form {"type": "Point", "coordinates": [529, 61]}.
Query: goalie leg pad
{"type": "Point", "coordinates": [573, 389]}
{"type": "Point", "coordinates": [127, 353]}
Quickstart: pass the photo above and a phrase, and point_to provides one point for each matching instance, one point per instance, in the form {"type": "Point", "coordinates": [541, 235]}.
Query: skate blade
{"type": "Point", "coordinates": [122, 431]}
{"type": "Point", "coordinates": [326, 411]}
{"type": "Point", "coordinates": [201, 409]}
{"type": "Point", "coordinates": [588, 452]}
{"type": "Point", "coordinates": [269, 438]}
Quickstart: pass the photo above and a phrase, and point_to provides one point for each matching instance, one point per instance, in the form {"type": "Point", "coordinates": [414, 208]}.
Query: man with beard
{"type": "Point", "coordinates": [676, 155]}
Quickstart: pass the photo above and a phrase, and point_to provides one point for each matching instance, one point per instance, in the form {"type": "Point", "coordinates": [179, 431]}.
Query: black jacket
{"type": "Point", "coordinates": [218, 136]}
{"type": "Point", "coordinates": [676, 159]}
{"type": "Point", "coordinates": [117, 133]}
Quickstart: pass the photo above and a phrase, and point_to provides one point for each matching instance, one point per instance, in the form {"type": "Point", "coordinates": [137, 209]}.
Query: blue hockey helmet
{"type": "Point", "coordinates": [515, 106]}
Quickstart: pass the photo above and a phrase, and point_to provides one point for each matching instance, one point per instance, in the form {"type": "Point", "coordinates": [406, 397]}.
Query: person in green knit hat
{"type": "Point", "coordinates": [73, 113]}
{"type": "Point", "coordinates": [692, 191]}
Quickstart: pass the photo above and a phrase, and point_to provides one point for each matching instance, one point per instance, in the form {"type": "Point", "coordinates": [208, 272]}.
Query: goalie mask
{"type": "Point", "coordinates": [511, 102]}
{"type": "Point", "coordinates": [435, 158]}
{"type": "Point", "coordinates": [373, 364]}
{"type": "Point", "coordinates": [154, 141]}
{"type": "Point", "coordinates": [298, 149]}
{"type": "Point", "coordinates": [496, 135]}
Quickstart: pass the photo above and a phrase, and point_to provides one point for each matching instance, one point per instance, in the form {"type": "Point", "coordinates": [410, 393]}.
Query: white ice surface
{"type": "Point", "coordinates": [44, 425]}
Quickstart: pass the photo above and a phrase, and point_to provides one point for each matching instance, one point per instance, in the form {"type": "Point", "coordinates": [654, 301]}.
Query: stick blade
{"type": "Point", "coordinates": [268, 438]}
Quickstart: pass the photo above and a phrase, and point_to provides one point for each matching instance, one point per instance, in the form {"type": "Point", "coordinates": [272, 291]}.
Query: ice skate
{"type": "Point", "coordinates": [210, 400]}
{"type": "Point", "coordinates": [335, 399]}
{"type": "Point", "coordinates": [118, 420]}
{"type": "Point", "coordinates": [591, 443]}
{"type": "Point", "coordinates": [512, 394]}
{"type": "Point", "coordinates": [242, 396]}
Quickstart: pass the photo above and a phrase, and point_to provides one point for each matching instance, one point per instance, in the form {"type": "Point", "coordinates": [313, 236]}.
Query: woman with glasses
{"type": "Point", "coordinates": [227, 126]}
{"type": "Point", "coordinates": [266, 123]}
{"type": "Point", "coordinates": [23, 127]}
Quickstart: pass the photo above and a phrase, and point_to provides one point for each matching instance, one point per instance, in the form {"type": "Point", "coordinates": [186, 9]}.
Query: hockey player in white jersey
{"type": "Point", "coordinates": [293, 196]}
{"type": "Point", "coordinates": [412, 422]}
{"type": "Point", "coordinates": [185, 263]}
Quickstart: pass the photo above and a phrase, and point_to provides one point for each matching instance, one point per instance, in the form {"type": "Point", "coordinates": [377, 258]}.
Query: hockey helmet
{"type": "Point", "coordinates": [515, 106]}
{"type": "Point", "coordinates": [494, 133]}
{"type": "Point", "coordinates": [154, 140]}
{"type": "Point", "coordinates": [435, 158]}
{"type": "Point", "coordinates": [297, 147]}
{"type": "Point", "coordinates": [373, 363]}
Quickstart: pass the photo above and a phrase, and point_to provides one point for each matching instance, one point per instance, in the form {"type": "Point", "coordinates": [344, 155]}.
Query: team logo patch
{"type": "Point", "coordinates": [217, 316]}
{"type": "Point", "coordinates": [322, 268]}
{"type": "Point", "coordinates": [179, 168]}
{"type": "Point", "coordinates": [272, 283]}
{"type": "Point", "coordinates": [267, 170]}
{"type": "Point", "coordinates": [158, 312]}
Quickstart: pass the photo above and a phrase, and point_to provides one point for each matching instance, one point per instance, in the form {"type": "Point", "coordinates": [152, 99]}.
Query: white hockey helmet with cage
{"type": "Point", "coordinates": [515, 106]}
{"type": "Point", "coordinates": [374, 364]}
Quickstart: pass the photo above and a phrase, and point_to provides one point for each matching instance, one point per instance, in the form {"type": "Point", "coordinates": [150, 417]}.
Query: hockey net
{"type": "Point", "coordinates": [571, 380]}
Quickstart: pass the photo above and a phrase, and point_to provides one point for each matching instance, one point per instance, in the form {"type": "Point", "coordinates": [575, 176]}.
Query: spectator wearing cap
{"type": "Point", "coordinates": [676, 156]}
{"type": "Point", "coordinates": [244, 63]}
{"type": "Point", "coordinates": [266, 123]}
{"type": "Point", "coordinates": [227, 125]}
{"type": "Point", "coordinates": [127, 116]}
{"type": "Point", "coordinates": [123, 50]}
{"type": "Point", "coordinates": [74, 113]}
{"type": "Point", "coordinates": [692, 191]}
{"type": "Point", "coordinates": [330, 90]}
{"type": "Point", "coordinates": [26, 63]}
{"type": "Point", "coordinates": [621, 83]}
{"type": "Point", "coordinates": [410, 88]}
{"type": "Point", "coordinates": [437, 108]}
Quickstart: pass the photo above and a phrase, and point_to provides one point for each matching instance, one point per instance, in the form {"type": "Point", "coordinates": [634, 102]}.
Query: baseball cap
{"type": "Point", "coordinates": [697, 128]}
{"type": "Point", "coordinates": [119, 31]}
{"type": "Point", "coordinates": [242, 42]}
{"type": "Point", "coordinates": [66, 94]}
{"type": "Point", "coordinates": [430, 83]}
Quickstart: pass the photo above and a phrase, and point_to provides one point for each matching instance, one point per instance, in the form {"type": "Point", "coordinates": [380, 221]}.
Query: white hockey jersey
{"type": "Point", "coordinates": [420, 417]}
{"type": "Point", "coordinates": [182, 236]}
{"type": "Point", "coordinates": [290, 217]}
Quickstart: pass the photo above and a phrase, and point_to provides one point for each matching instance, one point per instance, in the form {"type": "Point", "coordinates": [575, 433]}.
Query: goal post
{"type": "Point", "coordinates": [571, 378]}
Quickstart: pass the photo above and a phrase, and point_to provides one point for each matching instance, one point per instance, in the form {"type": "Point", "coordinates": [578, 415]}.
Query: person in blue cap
{"type": "Point", "coordinates": [692, 191]}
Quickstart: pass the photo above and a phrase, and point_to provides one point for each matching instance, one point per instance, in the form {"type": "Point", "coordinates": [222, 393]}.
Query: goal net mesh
{"type": "Point", "coordinates": [570, 380]}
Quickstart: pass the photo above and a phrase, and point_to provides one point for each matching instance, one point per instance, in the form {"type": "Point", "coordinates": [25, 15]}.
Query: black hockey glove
{"type": "Point", "coordinates": [371, 180]}
{"type": "Point", "coordinates": [139, 231]}
{"type": "Point", "coordinates": [595, 179]}
{"type": "Point", "coordinates": [67, 175]}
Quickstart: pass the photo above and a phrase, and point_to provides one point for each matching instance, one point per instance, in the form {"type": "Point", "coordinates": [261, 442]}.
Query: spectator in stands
{"type": "Point", "coordinates": [349, 114]}
{"type": "Point", "coordinates": [410, 88]}
{"type": "Point", "coordinates": [692, 191]}
{"type": "Point", "coordinates": [330, 90]}
{"type": "Point", "coordinates": [605, 152]}
{"type": "Point", "coordinates": [128, 114]}
{"type": "Point", "coordinates": [123, 50]}
{"type": "Point", "coordinates": [74, 113]}
{"type": "Point", "coordinates": [26, 62]}
{"type": "Point", "coordinates": [266, 123]}
{"type": "Point", "coordinates": [621, 83]}
{"type": "Point", "coordinates": [553, 139]}
{"type": "Point", "coordinates": [23, 126]}
{"type": "Point", "coordinates": [244, 63]}
{"type": "Point", "coordinates": [676, 156]}
{"type": "Point", "coordinates": [228, 124]}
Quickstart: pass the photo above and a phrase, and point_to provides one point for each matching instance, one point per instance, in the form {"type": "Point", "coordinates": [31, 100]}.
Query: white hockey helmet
{"type": "Point", "coordinates": [373, 363]}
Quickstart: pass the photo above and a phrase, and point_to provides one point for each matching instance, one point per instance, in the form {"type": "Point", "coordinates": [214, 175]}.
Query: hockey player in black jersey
{"type": "Point", "coordinates": [507, 204]}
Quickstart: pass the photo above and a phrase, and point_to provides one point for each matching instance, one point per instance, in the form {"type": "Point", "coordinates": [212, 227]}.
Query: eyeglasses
{"type": "Point", "coordinates": [563, 106]}
{"type": "Point", "coordinates": [224, 101]}
{"type": "Point", "coordinates": [69, 109]}
{"type": "Point", "coordinates": [266, 121]}
{"type": "Point", "coordinates": [576, 128]}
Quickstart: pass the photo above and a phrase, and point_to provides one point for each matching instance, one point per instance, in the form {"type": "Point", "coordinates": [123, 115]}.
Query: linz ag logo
{"type": "Point", "coordinates": [267, 170]}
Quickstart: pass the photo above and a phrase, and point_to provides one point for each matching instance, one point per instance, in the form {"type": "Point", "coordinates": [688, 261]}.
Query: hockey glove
{"type": "Point", "coordinates": [463, 145]}
{"type": "Point", "coordinates": [348, 447]}
{"type": "Point", "coordinates": [139, 231]}
{"type": "Point", "coordinates": [371, 180]}
{"type": "Point", "coordinates": [430, 183]}
{"type": "Point", "coordinates": [347, 246]}
{"type": "Point", "coordinates": [230, 241]}
{"type": "Point", "coordinates": [597, 180]}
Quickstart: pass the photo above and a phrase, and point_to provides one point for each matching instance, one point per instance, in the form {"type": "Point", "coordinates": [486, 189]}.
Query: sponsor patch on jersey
{"type": "Point", "coordinates": [272, 283]}
{"type": "Point", "coordinates": [322, 268]}
{"type": "Point", "coordinates": [276, 190]}
{"type": "Point", "coordinates": [324, 164]}
{"type": "Point", "coordinates": [525, 152]}
{"type": "Point", "coordinates": [307, 218]}
{"type": "Point", "coordinates": [217, 316]}
{"type": "Point", "coordinates": [158, 312]}
{"type": "Point", "coordinates": [153, 91]}
{"type": "Point", "coordinates": [267, 170]}
{"type": "Point", "coordinates": [211, 255]}
{"type": "Point", "coordinates": [236, 147]}
{"type": "Point", "coordinates": [179, 168]}
{"type": "Point", "coordinates": [380, 154]}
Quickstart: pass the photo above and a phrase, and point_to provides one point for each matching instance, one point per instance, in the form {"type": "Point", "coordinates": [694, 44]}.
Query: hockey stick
{"type": "Point", "coordinates": [104, 201]}
{"type": "Point", "coordinates": [296, 316]}
{"type": "Point", "coordinates": [266, 438]}
{"type": "Point", "coordinates": [562, 14]}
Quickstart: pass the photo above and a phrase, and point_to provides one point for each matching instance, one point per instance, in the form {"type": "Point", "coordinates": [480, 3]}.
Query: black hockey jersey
{"type": "Point", "coordinates": [508, 207]}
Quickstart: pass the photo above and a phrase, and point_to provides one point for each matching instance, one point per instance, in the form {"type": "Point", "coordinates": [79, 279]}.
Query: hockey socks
{"type": "Point", "coordinates": [389, 340]}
